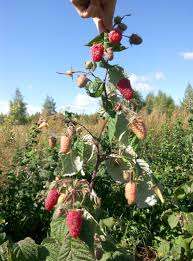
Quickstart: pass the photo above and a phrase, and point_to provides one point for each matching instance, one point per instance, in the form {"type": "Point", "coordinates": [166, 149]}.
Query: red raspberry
{"type": "Point", "coordinates": [74, 222]}
{"type": "Point", "coordinates": [97, 51]}
{"type": "Point", "coordinates": [125, 89]}
{"type": "Point", "coordinates": [115, 36]}
{"type": "Point", "coordinates": [51, 199]}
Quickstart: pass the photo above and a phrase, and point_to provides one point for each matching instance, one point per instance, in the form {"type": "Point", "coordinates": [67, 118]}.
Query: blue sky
{"type": "Point", "coordinates": [39, 38]}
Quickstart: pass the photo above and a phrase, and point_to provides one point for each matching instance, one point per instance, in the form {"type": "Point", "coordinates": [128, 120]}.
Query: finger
{"type": "Point", "coordinates": [109, 9]}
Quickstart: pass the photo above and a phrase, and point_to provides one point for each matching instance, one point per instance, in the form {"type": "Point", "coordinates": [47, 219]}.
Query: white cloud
{"type": "Point", "coordinates": [187, 55]}
{"type": "Point", "coordinates": [141, 83]}
{"type": "Point", "coordinates": [83, 104]}
{"type": "Point", "coordinates": [160, 76]}
{"type": "Point", "coordinates": [33, 109]}
{"type": "Point", "coordinates": [4, 107]}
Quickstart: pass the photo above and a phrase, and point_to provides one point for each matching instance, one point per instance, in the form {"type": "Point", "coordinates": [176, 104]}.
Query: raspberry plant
{"type": "Point", "coordinates": [77, 230]}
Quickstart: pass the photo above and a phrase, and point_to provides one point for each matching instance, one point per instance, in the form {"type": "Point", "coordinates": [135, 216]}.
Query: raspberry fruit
{"type": "Point", "coordinates": [82, 80]}
{"type": "Point", "coordinates": [115, 36]}
{"type": "Point", "coordinates": [65, 144]}
{"type": "Point", "coordinates": [51, 199]}
{"type": "Point", "coordinates": [109, 54]}
{"type": "Point", "coordinates": [135, 39]}
{"type": "Point", "coordinates": [97, 52]}
{"type": "Point", "coordinates": [131, 192]}
{"type": "Point", "coordinates": [125, 89]}
{"type": "Point", "coordinates": [74, 222]}
{"type": "Point", "coordinates": [138, 128]}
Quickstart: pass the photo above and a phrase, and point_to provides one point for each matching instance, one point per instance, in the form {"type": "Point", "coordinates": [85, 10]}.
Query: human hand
{"type": "Point", "coordinates": [101, 11]}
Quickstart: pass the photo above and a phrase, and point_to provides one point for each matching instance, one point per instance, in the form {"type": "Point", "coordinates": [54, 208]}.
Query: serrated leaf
{"type": "Point", "coordinates": [188, 222]}
{"type": "Point", "coordinates": [115, 167]}
{"type": "Point", "coordinates": [59, 229]}
{"type": "Point", "coordinates": [112, 127]}
{"type": "Point", "coordinates": [26, 250]}
{"type": "Point", "coordinates": [6, 251]}
{"type": "Point", "coordinates": [108, 222]}
{"type": "Point", "coordinates": [98, 39]}
{"type": "Point", "coordinates": [121, 127]}
{"type": "Point", "coordinates": [87, 233]}
{"type": "Point", "coordinates": [116, 73]}
{"type": "Point", "coordinates": [74, 250]}
{"type": "Point", "coordinates": [119, 48]}
{"type": "Point", "coordinates": [145, 195]}
{"type": "Point", "coordinates": [173, 220]}
{"type": "Point", "coordinates": [108, 106]}
{"type": "Point", "coordinates": [95, 88]}
{"type": "Point", "coordinates": [163, 249]}
{"type": "Point", "coordinates": [2, 238]}
{"type": "Point", "coordinates": [53, 247]}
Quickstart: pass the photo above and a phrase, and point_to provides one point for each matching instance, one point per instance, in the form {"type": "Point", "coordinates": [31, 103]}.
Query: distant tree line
{"type": "Point", "coordinates": [160, 102]}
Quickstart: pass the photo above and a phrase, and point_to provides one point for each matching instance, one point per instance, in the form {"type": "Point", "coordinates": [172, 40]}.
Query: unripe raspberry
{"type": "Point", "coordinates": [61, 198]}
{"type": "Point", "coordinates": [65, 144]}
{"type": "Point", "coordinates": [109, 54]}
{"type": "Point", "coordinates": [125, 89]}
{"type": "Point", "coordinates": [97, 52]}
{"type": "Point", "coordinates": [43, 125]}
{"type": "Point", "coordinates": [82, 80]}
{"type": "Point", "coordinates": [51, 199]}
{"type": "Point", "coordinates": [52, 141]}
{"type": "Point", "coordinates": [89, 65]}
{"type": "Point", "coordinates": [115, 36]}
{"type": "Point", "coordinates": [70, 131]}
{"type": "Point", "coordinates": [69, 73]}
{"type": "Point", "coordinates": [135, 39]}
{"type": "Point", "coordinates": [74, 222]}
{"type": "Point", "coordinates": [139, 129]}
{"type": "Point", "coordinates": [131, 192]}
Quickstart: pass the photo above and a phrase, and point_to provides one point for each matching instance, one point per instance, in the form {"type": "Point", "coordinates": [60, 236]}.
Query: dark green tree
{"type": "Point", "coordinates": [49, 106]}
{"type": "Point", "coordinates": [18, 109]}
{"type": "Point", "coordinates": [187, 102]}
{"type": "Point", "coordinates": [149, 102]}
{"type": "Point", "coordinates": [2, 118]}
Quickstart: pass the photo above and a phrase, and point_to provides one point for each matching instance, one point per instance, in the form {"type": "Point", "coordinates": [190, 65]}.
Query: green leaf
{"type": "Point", "coordinates": [6, 252]}
{"type": "Point", "coordinates": [121, 127]}
{"type": "Point", "coordinates": [143, 193]}
{"type": "Point", "coordinates": [116, 73]}
{"type": "Point", "coordinates": [173, 220]}
{"type": "Point", "coordinates": [188, 222]}
{"type": "Point", "coordinates": [98, 39]}
{"type": "Point", "coordinates": [112, 127]}
{"type": "Point", "coordinates": [74, 250]}
{"type": "Point", "coordinates": [95, 88]}
{"type": "Point", "coordinates": [119, 48]}
{"type": "Point", "coordinates": [26, 250]}
{"type": "Point", "coordinates": [163, 249]}
{"type": "Point", "coordinates": [115, 167]}
{"type": "Point", "coordinates": [2, 238]}
{"type": "Point", "coordinates": [59, 229]}
{"type": "Point", "coordinates": [53, 247]}
{"type": "Point", "coordinates": [87, 233]}
{"type": "Point", "coordinates": [108, 222]}
{"type": "Point", "coordinates": [108, 106]}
